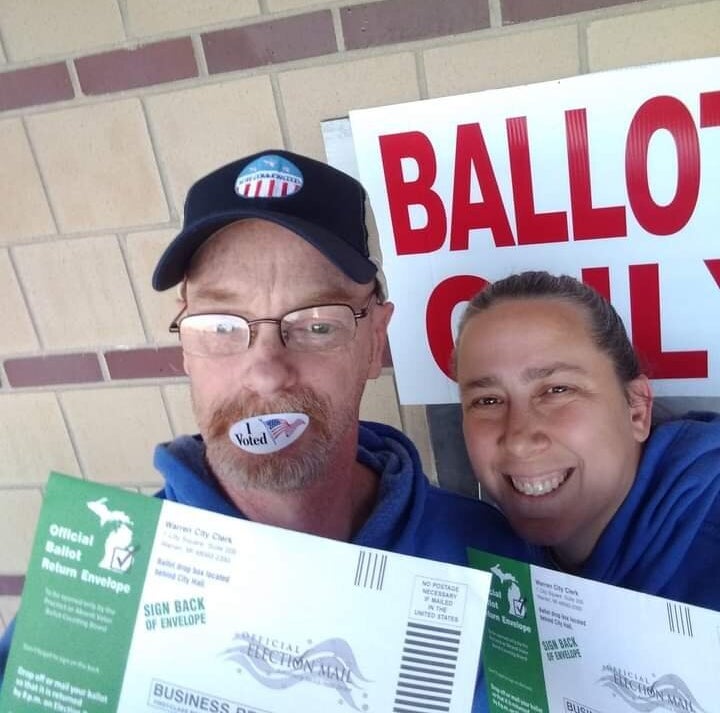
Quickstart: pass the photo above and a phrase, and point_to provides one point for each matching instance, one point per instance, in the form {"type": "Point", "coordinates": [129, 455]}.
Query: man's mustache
{"type": "Point", "coordinates": [303, 400]}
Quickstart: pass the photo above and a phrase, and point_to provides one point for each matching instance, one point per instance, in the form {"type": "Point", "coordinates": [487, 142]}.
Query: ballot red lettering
{"type": "Point", "coordinates": [709, 109]}
{"type": "Point", "coordinates": [532, 227]}
{"type": "Point", "coordinates": [672, 115]}
{"type": "Point", "coordinates": [714, 267]}
{"type": "Point", "coordinates": [402, 193]}
{"type": "Point", "coordinates": [472, 159]}
{"type": "Point", "coordinates": [588, 221]}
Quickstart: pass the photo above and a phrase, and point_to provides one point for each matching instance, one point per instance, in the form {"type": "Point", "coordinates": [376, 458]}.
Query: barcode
{"type": "Point", "coordinates": [370, 570]}
{"type": "Point", "coordinates": [427, 669]}
{"type": "Point", "coordinates": [679, 620]}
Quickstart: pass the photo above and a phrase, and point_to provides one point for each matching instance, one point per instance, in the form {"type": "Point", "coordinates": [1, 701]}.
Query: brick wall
{"type": "Point", "coordinates": [109, 109]}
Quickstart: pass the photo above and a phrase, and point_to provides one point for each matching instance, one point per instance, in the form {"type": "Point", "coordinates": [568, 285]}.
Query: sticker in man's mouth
{"type": "Point", "coordinates": [268, 433]}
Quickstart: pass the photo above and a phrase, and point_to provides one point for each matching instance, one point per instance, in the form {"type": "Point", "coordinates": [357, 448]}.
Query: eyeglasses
{"type": "Point", "coordinates": [308, 329]}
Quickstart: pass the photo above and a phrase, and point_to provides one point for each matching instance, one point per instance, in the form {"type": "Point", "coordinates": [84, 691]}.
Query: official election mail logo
{"type": "Point", "coordinates": [278, 664]}
{"type": "Point", "coordinates": [269, 176]}
{"type": "Point", "coordinates": [646, 693]}
{"type": "Point", "coordinates": [268, 433]}
{"type": "Point", "coordinates": [119, 548]}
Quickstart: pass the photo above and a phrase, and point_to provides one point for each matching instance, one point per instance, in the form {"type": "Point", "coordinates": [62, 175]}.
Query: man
{"type": "Point", "coordinates": [283, 321]}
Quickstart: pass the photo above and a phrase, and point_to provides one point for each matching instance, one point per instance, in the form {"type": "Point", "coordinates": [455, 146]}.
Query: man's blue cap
{"type": "Point", "coordinates": [322, 205]}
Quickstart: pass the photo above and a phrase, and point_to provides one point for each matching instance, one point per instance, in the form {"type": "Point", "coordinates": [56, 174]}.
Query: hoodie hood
{"type": "Point", "coordinates": [391, 525]}
{"type": "Point", "coordinates": [656, 542]}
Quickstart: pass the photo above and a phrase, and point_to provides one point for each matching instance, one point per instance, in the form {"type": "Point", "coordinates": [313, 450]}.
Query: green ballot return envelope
{"type": "Point", "coordinates": [135, 604]}
{"type": "Point", "coordinates": [555, 643]}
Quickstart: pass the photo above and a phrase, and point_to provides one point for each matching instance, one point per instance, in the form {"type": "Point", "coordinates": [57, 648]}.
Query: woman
{"type": "Point", "coordinates": [557, 422]}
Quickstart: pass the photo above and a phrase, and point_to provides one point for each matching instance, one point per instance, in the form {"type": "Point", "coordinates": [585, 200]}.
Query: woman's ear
{"type": "Point", "coordinates": [640, 397]}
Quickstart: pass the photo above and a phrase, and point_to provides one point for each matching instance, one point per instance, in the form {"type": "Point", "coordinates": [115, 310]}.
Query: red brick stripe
{"type": "Point", "coordinates": [297, 37]}
{"type": "Point", "coordinates": [526, 10]}
{"type": "Point", "coordinates": [145, 363]}
{"type": "Point", "coordinates": [35, 85]}
{"type": "Point", "coordinates": [53, 369]}
{"type": "Point", "coordinates": [11, 585]}
{"type": "Point", "coordinates": [155, 63]}
{"type": "Point", "coordinates": [382, 23]}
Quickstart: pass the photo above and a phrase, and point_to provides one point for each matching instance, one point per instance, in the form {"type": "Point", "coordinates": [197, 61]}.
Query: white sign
{"type": "Point", "coordinates": [613, 178]}
{"type": "Point", "coordinates": [555, 642]}
{"type": "Point", "coordinates": [196, 612]}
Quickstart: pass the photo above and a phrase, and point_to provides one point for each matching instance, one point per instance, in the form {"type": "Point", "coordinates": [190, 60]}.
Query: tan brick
{"type": "Point", "coordinates": [27, 213]}
{"type": "Point", "coordinates": [79, 293]}
{"type": "Point", "coordinates": [116, 431]}
{"type": "Point", "coordinates": [102, 173]}
{"type": "Point", "coordinates": [153, 17]}
{"type": "Point", "coordinates": [380, 401]}
{"type": "Point", "coordinates": [34, 439]}
{"type": "Point", "coordinates": [143, 251]}
{"type": "Point", "coordinates": [8, 609]}
{"type": "Point", "coordinates": [17, 334]}
{"type": "Point", "coordinates": [674, 33]}
{"type": "Point", "coordinates": [506, 60]}
{"type": "Point", "coordinates": [49, 27]}
{"type": "Point", "coordinates": [282, 5]}
{"type": "Point", "coordinates": [179, 403]}
{"type": "Point", "coordinates": [197, 130]}
{"type": "Point", "coordinates": [19, 510]}
{"type": "Point", "coordinates": [327, 92]}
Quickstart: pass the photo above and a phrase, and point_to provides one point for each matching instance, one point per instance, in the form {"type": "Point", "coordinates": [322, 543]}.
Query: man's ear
{"type": "Point", "coordinates": [380, 319]}
{"type": "Point", "coordinates": [181, 301]}
{"type": "Point", "coordinates": [640, 397]}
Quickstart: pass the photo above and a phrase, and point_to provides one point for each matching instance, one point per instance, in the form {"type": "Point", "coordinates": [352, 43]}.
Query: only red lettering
{"type": "Point", "coordinates": [645, 314]}
{"type": "Point", "coordinates": [438, 317]}
{"type": "Point", "coordinates": [598, 278]}
{"type": "Point", "coordinates": [645, 311]}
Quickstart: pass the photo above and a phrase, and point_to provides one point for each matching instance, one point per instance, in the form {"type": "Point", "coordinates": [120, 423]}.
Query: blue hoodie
{"type": "Point", "coordinates": [411, 516]}
{"type": "Point", "coordinates": [665, 537]}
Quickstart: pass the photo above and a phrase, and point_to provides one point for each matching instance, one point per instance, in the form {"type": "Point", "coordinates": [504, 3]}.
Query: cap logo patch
{"type": "Point", "coordinates": [269, 176]}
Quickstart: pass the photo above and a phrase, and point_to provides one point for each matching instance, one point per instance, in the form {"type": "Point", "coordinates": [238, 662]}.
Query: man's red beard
{"type": "Point", "coordinates": [294, 467]}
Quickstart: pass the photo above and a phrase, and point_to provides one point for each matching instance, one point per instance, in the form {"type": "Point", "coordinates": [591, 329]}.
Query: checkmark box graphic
{"type": "Point", "coordinates": [519, 607]}
{"type": "Point", "coordinates": [122, 558]}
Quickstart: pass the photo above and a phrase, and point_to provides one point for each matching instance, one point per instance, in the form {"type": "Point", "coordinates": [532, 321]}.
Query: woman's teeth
{"type": "Point", "coordinates": [541, 486]}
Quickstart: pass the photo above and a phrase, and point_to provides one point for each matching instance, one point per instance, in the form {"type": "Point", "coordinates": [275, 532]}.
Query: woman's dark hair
{"type": "Point", "coordinates": [606, 327]}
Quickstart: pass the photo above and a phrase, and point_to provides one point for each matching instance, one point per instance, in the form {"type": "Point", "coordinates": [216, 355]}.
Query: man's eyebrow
{"type": "Point", "coordinates": [215, 294]}
{"type": "Point", "coordinates": [328, 296]}
{"type": "Point", "coordinates": [482, 382]}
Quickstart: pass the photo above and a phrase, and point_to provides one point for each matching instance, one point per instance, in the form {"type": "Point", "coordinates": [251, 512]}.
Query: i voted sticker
{"type": "Point", "coordinates": [268, 433]}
